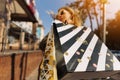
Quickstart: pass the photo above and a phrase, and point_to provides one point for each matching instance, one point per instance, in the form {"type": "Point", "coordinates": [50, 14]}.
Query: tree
{"type": "Point", "coordinates": [113, 28]}
{"type": "Point", "coordinates": [88, 9]}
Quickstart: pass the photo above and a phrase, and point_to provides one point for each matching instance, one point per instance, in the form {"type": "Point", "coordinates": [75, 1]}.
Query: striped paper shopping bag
{"type": "Point", "coordinates": [80, 54]}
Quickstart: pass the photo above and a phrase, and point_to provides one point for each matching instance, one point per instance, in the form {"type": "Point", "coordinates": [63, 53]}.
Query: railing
{"type": "Point", "coordinates": [18, 47]}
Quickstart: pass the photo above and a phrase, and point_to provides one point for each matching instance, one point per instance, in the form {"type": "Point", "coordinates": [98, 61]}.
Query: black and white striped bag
{"type": "Point", "coordinates": [79, 53]}
{"type": "Point", "coordinates": [79, 50]}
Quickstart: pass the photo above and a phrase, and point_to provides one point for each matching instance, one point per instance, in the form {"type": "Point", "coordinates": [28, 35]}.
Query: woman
{"type": "Point", "coordinates": [67, 16]}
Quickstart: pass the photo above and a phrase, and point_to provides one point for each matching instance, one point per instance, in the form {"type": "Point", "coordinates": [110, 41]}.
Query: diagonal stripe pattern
{"type": "Point", "coordinates": [83, 50]}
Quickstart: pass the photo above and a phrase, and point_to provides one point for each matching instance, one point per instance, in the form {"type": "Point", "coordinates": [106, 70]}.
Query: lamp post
{"type": "Point", "coordinates": [104, 23]}
{"type": "Point", "coordinates": [104, 20]}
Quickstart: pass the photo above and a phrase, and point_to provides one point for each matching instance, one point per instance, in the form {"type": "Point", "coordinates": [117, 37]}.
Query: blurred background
{"type": "Point", "coordinates": [102, 16]}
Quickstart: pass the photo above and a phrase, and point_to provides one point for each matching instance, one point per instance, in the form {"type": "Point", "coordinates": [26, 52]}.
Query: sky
{"type": "Point", "coordinates": [46, 5]}
{"type": "Point", "coordinates": [112, 8]}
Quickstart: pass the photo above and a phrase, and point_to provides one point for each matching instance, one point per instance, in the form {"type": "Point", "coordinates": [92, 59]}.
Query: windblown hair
{"type": "Point", "coordinates": [75, 15]}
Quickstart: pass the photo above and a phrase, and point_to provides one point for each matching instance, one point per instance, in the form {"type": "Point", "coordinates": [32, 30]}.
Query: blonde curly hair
{"type": "Point", "coordinates": [75, 15]}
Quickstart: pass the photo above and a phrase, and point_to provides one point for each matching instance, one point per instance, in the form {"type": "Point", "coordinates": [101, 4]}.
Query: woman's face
{"type": "Point", "coordinates": [64, 16]}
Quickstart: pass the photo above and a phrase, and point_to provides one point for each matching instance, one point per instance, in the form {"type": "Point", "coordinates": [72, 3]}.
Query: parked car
{"type": "Point", "coordinates": [116, 53]}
